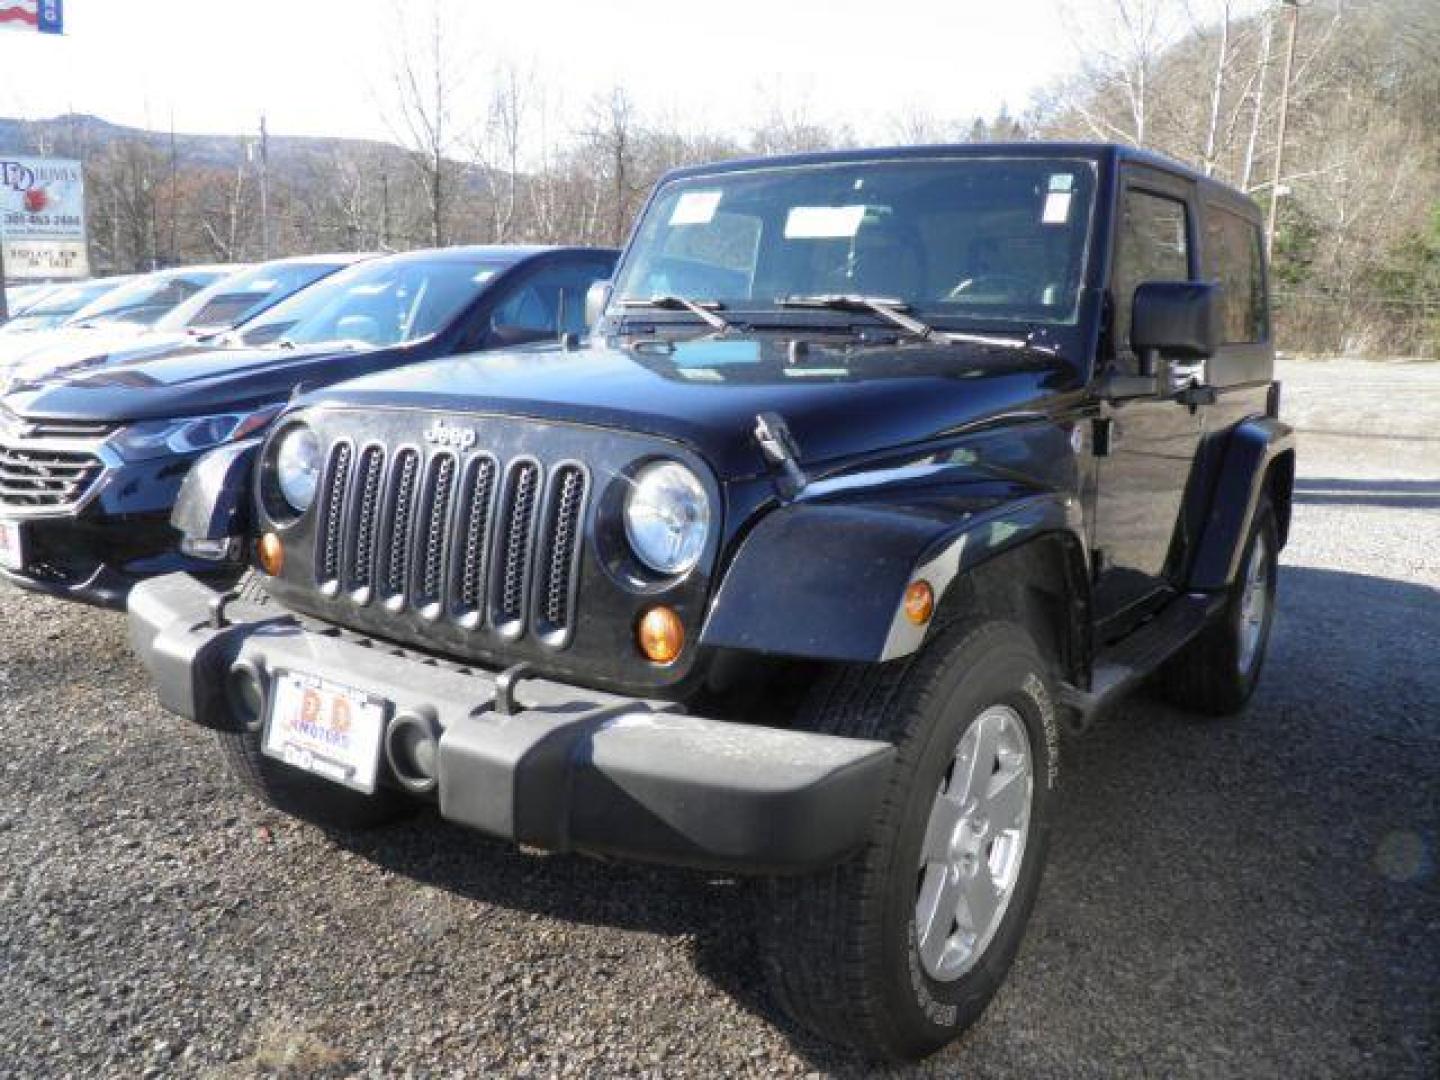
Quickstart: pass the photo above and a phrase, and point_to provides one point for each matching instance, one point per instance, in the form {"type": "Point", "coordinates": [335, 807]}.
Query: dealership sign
{"type": "Point", "coordinates": [46, 16]}
{"type": "Point", "coordinates": [42, 218]}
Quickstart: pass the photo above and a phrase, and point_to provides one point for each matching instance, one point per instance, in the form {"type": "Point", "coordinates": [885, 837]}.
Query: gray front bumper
{"type": "Point", "coordinates": [571, 769]}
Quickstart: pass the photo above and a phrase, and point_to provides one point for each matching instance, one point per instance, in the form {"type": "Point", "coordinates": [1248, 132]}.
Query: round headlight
{"type": "Point", "coordinates": [297, 467]}
{"type": "Point", "coordinates": [667, 517]}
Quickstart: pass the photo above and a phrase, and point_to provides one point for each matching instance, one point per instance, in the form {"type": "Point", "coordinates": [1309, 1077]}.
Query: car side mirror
{"type": "Point", "coordinates": [597, 299]}
{"type": "Point", "coordinates": [1173, 320]}
{"type": "Point", "coordinates": [1173, 324]}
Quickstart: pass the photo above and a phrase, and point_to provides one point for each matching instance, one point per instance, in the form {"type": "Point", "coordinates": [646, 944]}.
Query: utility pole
{"type": "Point", "coordinates": [264, 190]}
{"type": "Point", "coordinates": [1294, 8]}
{"type": "Point", "coordinates": [174, 259]}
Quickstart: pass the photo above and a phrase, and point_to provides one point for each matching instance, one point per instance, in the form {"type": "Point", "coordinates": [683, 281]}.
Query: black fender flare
{"type": "Point", "coordinates": [214, 499]}
{"type": "Point", "coordinates": [827, 581]}
{"type": "Point", "coordinates": [1259, 454]}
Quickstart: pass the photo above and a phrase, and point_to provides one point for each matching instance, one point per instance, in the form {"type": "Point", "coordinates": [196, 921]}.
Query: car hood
{"type": "Point", "coordinates": [17, 349]}
{"type": "Point", "coordinates": [81, 351]}
{"type": "Point", "coordinates": [193, 383]}
{"type": "Point", "coordinates": [838, 401]}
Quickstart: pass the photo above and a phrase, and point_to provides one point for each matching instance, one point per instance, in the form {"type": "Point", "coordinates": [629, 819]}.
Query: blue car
{"type": "Point", "coordinates": [91, 463]}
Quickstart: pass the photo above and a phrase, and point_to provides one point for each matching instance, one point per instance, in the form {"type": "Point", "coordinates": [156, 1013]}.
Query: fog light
{"type": "Point", "coordinates": [272, 554]}
{"type": "Point", "coordinates": [661, 635]}
{"type": "Point", "coordinates": [245, 689]}
{"type": "Point", "coordinates": [919, 602]}
{"type": "Point", "coordinates": [412, 744]}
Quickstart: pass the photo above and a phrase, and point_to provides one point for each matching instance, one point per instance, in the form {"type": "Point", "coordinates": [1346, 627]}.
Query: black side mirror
{"type": "Point", "coordinates": [1177, 320]}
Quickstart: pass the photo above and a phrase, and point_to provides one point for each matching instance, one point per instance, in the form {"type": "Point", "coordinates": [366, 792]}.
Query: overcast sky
{"type": "Point", "coordinates": [316, 66]}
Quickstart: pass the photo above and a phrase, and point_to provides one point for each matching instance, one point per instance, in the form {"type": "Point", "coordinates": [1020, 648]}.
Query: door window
{"type": "Point", "coordinates": [1232, 258]}
{"type": "Point", "coordinates": [1154, 245]}
{"type": "Point", "coordinates": [549, 302]}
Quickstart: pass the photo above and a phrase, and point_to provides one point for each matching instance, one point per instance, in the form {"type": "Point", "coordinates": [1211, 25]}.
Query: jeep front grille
{"type": "Point", "coordinates": [32, 479]}
{"type": "Point", "coordinates": [488, 546]}
{"type": "Point", "coordinates": [562, 538]}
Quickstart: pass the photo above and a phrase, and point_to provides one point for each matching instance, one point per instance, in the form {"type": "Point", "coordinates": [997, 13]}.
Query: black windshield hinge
{"type": "Point", "coordinates": [782, 454]}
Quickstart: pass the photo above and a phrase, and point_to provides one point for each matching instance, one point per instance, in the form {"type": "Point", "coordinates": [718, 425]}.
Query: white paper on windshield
{"type": "Point", "coordinates": [1057, 208]}
{"type": "Point", "coordinates": [1061, 181]}
{"type": "Point", "coordinates": [695, 208]}
{"type": "Point", "coordinates": [264, 285]}
{"type": "Point", "coordinates": [823, 222]}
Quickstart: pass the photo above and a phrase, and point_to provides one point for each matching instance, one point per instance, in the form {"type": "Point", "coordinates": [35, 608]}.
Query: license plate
{"type": "Point", "coordinates": [12, 546]}
{"type": "Point", "coordinates": [326, 729]}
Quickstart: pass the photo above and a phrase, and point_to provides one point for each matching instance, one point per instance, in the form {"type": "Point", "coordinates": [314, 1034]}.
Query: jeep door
{"type": "Point", "coordinates": [1152, 442]}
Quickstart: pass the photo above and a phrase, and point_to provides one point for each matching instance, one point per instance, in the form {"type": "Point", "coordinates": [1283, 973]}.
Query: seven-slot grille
{"type": "Point", "coordinates": [486, 544]}
{"type": "Point", "coordinates": [34, 478]}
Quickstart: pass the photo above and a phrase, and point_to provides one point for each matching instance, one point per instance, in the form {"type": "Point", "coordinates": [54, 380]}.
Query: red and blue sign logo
{"type": "Point", "coordinates": [47, 16]}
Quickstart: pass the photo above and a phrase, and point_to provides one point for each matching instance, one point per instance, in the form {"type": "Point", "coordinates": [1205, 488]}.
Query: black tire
{"type": "Point", "coordinates": [840, 947]}
{"type": "Point", "coordinates": [1209, 676]}
{"type": "Point", "coordinates": [293, 792]}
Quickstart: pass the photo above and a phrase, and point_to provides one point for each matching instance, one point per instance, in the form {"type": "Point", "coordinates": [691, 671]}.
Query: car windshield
{"type": "Point", "coordinates": [376, 304]}
{"type": "Point", "coordinates": [146, 299]}
{"type": "Point", "coordinates": [959, 240]}
{"type": "Point", "coordinates": [232, 300]}
{"type": "Point", "coordinates": [58, 305]}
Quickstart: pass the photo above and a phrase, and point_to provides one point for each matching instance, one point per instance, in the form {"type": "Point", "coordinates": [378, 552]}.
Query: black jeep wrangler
{"type": "Point", "coordinates": [881, 469]}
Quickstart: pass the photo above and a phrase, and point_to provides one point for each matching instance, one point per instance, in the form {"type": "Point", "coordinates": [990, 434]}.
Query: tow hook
{"type": "Point", "coordinates": [506, 683]}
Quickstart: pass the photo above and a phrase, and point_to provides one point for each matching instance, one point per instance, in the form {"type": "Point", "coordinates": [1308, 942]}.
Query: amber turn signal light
{"type": "Point", "coordinates": [272, 554]}
{"type": "Point", "coordinates": [661, 635]}
{"type": "Point", "coordinates": [919, 602]}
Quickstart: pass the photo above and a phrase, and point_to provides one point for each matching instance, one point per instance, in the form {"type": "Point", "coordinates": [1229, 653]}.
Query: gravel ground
{"type": "Point", "coordinates": [1255, 897]}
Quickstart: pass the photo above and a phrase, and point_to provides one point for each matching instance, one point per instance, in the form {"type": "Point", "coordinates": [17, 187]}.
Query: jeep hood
{"type": "Point", "coordinates": [192, 383]}
{"type": "Point", "coordinates": [839, 401]}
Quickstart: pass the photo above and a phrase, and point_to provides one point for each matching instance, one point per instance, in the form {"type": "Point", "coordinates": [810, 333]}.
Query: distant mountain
{"type": "Point", "coordinates": [81, 136]}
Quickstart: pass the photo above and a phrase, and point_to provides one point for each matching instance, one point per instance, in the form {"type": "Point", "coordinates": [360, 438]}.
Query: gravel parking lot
{"type": "Point", "coordinates": [1255, 897]}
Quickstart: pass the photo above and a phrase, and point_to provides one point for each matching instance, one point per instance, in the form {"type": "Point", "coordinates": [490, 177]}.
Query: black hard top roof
{"type": "Point", "coordinates": [1112, 153]}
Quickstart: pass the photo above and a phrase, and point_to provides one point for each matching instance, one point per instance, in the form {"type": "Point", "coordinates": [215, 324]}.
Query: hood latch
{"type": "Point", "coordinates": [782, 453]}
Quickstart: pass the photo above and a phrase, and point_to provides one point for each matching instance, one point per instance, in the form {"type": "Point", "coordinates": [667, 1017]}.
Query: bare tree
{"type": "Point", "coordinates": [613, 136]}
{"type": "Point", "coordinates": [502, 146]}
{"type": "Point", "coordinates": [427, 84]}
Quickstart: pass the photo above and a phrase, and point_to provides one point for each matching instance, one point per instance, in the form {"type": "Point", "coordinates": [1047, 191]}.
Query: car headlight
{"type": "Point", "coordinates": [297, 467]}
{"type": "Point", "coordinates": [667, 517]}
{"type": "Point", "coordinates": [163, 438]}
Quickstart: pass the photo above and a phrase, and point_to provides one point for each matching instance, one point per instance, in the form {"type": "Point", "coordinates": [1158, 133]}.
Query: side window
{"type": "Point", "coordinates": [1232, 258]}
{"type": "Point", "coordinates": [550, 301]}
{"type": "Point", "coordinates": [1153, 245]}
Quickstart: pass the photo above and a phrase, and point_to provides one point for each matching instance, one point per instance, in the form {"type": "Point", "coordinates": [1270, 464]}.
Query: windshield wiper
{"type": "Point", "coordinates": [704, 309]}
{"type": "Point", "coordinates": [895, 311]}
{"type": "Point", "coordinates": [891, 310]}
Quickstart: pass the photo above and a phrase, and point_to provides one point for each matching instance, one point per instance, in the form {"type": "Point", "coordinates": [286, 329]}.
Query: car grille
{"type": "Point", "coordinates": [491, 545]}
{"type": "Point", "coordinates": [36, 479]}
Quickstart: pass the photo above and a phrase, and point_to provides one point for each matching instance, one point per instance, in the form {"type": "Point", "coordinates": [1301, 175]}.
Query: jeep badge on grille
{"type": "Point", "coordinates": [443, 434]}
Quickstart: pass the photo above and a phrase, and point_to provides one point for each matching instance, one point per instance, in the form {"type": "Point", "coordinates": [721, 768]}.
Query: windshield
{"type": "Point", "coordinates": [144, 300]}
{"type": "Point", "coordinates": [969, 240]}
{"type": "Point", "coordinates": [232, 300]}
{"type": "Point", "coordinates": [58, 305]}
{"type": "Point", "coordinates": [376, 304]}
{"type": "Point", "coordinates": [19, 297]}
